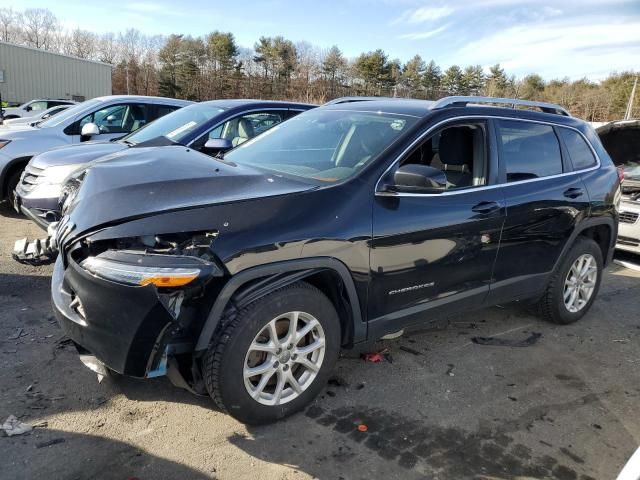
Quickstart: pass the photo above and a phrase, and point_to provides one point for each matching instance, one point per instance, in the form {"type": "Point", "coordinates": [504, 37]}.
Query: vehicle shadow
{"type": "Point", "coordinates": [41, 454]}
{"type": "Point", "coordinates": [7, 210]}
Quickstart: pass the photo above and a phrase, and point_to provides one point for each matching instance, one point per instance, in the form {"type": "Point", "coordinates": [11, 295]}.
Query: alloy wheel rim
{"type": "Point", "coordinates": [580, 283]}
{"type": "Point", "coordinates": [284, 358]}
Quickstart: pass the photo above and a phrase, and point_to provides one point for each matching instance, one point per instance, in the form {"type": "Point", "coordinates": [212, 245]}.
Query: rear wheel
{"type": "Point", "coordinates": [574, 285]}
{"type": "Point", "coordinates": [275, 356]}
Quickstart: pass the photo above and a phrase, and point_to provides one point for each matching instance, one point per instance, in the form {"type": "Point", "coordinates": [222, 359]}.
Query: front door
{"type": "Point", "coordinates": [434, 253]}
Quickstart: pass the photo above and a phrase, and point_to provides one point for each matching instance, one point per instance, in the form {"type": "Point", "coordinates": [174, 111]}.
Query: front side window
{"type": "Point", "coordinates": [242, 128]}
{"type": "Point", "coordinates": [325, 146]}
{"type": "Point", "coordinates": [38, 106]}
{"type": "Point", "coordinates": [118, 118]}
{"type": "Point", "coordinates": [579, 152]}
{"type": "Point", "coordinates": [459, 151]}
{"type": "Point", "coordinates": [529, 150]}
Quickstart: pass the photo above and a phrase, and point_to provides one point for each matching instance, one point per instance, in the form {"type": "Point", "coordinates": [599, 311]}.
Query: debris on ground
{"type": "Point", "coordinates": [376, 357]}
{"type": "Point", "coordinates": [48, 443]}
{"type": "Point", "coordinates": [12, 426]}
{"type": "Point", "coordinates": [450, 367]}
{"type": "Point", "coordinates": [362, 427]}
{"type": "Point", "coordinates": [337, 381]}
{"type": "Point", "coordinates": [331, 393]}
{"type": "Point", "coordinates": [508, 342]}
{"type": "Point", "coordinates": [19, 333]}
{"type": "Point", "coordinates": [410, 350]}
{"type": "Point", "coordinates": [360, 386]}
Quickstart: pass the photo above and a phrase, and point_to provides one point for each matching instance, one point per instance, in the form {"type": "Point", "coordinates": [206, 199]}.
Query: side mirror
{"type": "Point", "coordinates": [90, 130]}
{"type": "Point", "coordinates": [28, 108]}
{"type": "Point", "coordinates": [217, 145]}
{"type": "Point", "coordinates": [415, 178]}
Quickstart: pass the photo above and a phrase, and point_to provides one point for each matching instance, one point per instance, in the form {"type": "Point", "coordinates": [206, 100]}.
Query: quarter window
{"type": "Point", "coordinates": [529, 150]}
{"type": "Point", "coordinates": [579, 152]}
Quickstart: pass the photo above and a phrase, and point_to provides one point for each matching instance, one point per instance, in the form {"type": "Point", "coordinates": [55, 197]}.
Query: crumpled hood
{"type": "Point", "coordinates": [141, 182]}
{"type": "Point", "coordinates": [76, 154]}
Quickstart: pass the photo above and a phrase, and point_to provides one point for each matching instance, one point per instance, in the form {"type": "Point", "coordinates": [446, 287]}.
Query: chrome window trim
{"type": "Point", "coordinates": [280, 109]}
{"type": "Point", "coordinates": [483, 187]}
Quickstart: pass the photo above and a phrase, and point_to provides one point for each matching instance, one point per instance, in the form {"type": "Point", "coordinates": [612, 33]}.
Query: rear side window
{"type": "Point", "coordinates": [162, 110]}
{"type": "Point", "coordinates": [579, 152]}
{"type": "Point", "coordinates": [529, 150]}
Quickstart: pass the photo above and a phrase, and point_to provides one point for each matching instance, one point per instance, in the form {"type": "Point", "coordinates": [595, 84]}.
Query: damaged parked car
{"type": "Point", "coordinates": [209, 127]}
{"type": "Point", "coordinates": [242, 276]}
{"type": "Point", "coordinates": [621, 139]}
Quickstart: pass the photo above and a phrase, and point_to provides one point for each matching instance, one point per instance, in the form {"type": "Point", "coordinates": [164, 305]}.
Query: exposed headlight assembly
{"type": "Point", "coordinates": [163, 271]}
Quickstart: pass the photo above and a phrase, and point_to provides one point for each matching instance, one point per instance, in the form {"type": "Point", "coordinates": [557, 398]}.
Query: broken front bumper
{"type": "Point", "coordinates": [122, 326]}
{"type": "Point", "coordinates": [37, 252]}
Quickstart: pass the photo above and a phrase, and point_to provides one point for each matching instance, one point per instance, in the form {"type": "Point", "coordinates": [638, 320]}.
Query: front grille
{"type": "Point", "coordinates": [628, 217]}
{"type": "Point", "coordinates": [631, 242]}
{"type": "Point", "coordinates": [30, 177]}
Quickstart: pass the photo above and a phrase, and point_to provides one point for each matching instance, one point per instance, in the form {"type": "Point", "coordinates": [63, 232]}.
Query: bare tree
{"type": "Point", "coordinates": [39, 27]}
{"type": "Point", "coordinates": [9, 30]}
{"type": "Point", "coordinates": [107, 48]}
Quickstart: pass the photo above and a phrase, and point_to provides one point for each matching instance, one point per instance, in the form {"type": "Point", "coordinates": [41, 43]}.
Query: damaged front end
{"type": "Point", "coordinates": [134, 305]}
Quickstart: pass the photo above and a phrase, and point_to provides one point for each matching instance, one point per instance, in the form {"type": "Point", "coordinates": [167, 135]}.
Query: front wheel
{"type": "Point", "coordinates": [275, 356]}
{"type": "Point", "coordinates": [574, 285]}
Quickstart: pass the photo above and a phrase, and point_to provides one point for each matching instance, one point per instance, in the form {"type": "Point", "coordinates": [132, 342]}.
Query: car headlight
{"type": "Point", "coordinates": [144, 269]}
{"type": "Point", "coordinates": [4, 143]}
{"type": "Point", "coordinates": [56, 175]}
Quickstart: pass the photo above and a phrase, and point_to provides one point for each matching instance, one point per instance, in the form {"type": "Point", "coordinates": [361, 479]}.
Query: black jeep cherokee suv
{"type": "Point", "coordinates": [243, 276]}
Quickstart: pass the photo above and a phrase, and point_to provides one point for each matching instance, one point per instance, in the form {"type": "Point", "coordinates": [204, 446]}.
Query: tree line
{"type": "Point", "coordinates": [215, 66]}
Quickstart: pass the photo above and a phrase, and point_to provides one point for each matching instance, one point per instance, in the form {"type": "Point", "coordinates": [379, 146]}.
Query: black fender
{"type": "Point", "coordinates": [7, 168]}
{"type": "Point", "coordinates": [277, 275]}
{"type": "Point", "coordinates": [588, 223]}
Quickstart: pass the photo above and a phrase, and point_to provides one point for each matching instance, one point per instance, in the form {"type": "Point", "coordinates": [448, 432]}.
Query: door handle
{"type": "Point", "coordinates": [486, 207]}
{"type": "Point", "coordinates": [573, 192]}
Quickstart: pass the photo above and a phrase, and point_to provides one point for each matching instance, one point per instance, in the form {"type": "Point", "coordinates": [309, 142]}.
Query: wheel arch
{"type": "Point", "coordinates": [8, 170]}
{"type": "Point", "coordinates": [328, 274]}
{"type": "Point", "coordinates": [602, 230]}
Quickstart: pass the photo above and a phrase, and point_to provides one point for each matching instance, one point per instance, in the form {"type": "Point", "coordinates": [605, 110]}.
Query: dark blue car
{"type": "Point", "coordinates": [208, 127]}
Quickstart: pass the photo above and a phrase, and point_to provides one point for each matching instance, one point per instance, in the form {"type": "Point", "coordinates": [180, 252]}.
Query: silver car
{"type": "Point", "coordinates": [102, 118]}
{"type": "Point", "coordinates": [621, 139]}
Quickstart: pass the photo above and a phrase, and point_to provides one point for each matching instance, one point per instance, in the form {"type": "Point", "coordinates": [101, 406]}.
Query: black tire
{"type": "Point", "coordinates": [223, 364]}
{"type": "Point", "coordinates": [12, 183]}
{"type": "Point", "coordinates": [552, 306]}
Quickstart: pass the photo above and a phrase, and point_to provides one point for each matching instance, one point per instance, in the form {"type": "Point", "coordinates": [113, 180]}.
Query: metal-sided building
{"type": "Point", "coordinates": [27, 73]}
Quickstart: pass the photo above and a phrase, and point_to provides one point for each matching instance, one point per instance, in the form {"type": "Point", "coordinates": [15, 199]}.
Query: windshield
{"type": "Point", "coordinates": [69, 113]}
{"type": "Point", "coordinates": [323, 145]}
{"type": "Point", "coordinates": [176, 125]}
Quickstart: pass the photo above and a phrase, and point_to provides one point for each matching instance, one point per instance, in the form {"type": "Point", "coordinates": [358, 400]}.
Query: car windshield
{"type": "Point", "coordinates": [176, 125]}
{"type": "Point", "coordinates": [325, 146]}
{"type": "Point", "coordinates": [69, 113]}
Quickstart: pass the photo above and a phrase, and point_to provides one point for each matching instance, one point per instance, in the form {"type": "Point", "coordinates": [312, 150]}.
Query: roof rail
{"type": "Point", "coordinates": [513, 102]}
{"type": "Point", "coordinates": [338, 101]}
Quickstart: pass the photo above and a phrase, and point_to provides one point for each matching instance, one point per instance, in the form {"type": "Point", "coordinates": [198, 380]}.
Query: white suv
{"type": "Point", "coordinates": [102, 118]}
{"type": "Point", "coordinates": [32, 108]}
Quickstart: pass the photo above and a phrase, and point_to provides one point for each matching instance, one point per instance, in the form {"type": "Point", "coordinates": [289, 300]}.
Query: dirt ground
{"type": "Point", "coordinates": [445, 408]}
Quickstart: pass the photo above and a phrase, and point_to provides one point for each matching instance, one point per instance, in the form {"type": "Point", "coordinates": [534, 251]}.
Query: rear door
{"type": "Point", "coordinates": [545, 199]}
{"type": "Point", "coordinates": [434, 253]}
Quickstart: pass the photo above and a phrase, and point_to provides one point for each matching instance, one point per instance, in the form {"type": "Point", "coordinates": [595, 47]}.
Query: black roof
{"type": "Point", "coordinates": [238, 102]}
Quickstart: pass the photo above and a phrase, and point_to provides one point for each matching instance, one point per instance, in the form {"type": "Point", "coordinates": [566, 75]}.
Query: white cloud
{"type": "Point", "coordinates": [423, 35]}
{"type": "Point", "coordinates": [559, 48]}
{"type": "Point", "coordinates": [423, 15]}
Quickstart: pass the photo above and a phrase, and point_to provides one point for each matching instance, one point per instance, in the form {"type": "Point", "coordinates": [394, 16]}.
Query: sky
{"type": "Point", "coordinates": [567, 38]}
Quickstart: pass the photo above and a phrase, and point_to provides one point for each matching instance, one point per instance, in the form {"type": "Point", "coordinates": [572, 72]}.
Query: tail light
{"type": "Point", "coordinates": [620, 174]}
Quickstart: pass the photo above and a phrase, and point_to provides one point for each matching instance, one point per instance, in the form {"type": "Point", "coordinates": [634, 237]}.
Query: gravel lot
{"type": "Point", "coordinates": [445, 408]}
